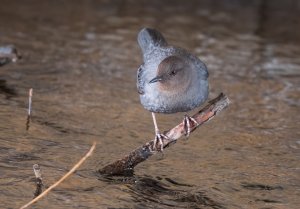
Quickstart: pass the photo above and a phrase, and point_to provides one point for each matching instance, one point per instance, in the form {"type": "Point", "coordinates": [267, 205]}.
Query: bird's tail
{"type": "Point", "coordinates": [149, 38]}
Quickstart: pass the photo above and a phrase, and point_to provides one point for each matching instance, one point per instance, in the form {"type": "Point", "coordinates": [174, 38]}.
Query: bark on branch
{"type": "Point", "coordinates": [126, 165]}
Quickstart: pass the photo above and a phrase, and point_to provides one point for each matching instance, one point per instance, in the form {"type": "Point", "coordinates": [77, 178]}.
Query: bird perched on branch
{"type": "Point", "coordinates": [170, 80]}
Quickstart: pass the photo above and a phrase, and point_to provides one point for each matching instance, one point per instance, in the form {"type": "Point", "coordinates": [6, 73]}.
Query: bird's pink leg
{"type": "Point", "coordinates": [158, 136]}
{"type": "Point", "coordinates": [188, 122]}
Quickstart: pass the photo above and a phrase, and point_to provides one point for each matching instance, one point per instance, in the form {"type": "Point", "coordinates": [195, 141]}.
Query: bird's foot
{"type": "Point", "coordinates": [158, 141]}
{"type": "Point", "coordinates": [188, 123]}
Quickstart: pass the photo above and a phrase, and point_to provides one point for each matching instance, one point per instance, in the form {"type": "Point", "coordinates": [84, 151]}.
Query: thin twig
{"type": "Point", "coordinates": [126, 165]}
{"type": "Point", "coordinates": [29, 101]}
{"type": "Point", "coordinates": [29, 109]}
{"type": "Point", "coordinates": [63, 178]}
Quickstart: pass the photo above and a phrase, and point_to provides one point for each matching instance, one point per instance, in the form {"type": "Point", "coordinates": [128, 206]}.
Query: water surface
{"type": "Point", "coordinates": [81, 60]}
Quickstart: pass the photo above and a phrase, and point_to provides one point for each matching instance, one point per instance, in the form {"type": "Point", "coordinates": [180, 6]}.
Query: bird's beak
{"type": "Point", "coordinates": [156, 79]}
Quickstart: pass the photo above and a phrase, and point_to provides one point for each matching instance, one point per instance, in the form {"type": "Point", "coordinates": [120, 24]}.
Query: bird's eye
{"type": "Point", "coordinates": [173, 72]}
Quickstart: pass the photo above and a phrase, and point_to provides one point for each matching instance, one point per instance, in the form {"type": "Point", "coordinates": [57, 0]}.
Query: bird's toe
{"type": "Point", "coordinates": [189, 123]}
{"type": "Point", "coordinates": [158, 144]}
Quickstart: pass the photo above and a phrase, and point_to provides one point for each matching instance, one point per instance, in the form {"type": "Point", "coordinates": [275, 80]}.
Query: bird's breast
{"type": "Point", "coordinates": [156, 100]}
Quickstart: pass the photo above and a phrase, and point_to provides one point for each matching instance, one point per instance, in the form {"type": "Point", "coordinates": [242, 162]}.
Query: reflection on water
{"type": "Point", "coordinates": [81, 60]}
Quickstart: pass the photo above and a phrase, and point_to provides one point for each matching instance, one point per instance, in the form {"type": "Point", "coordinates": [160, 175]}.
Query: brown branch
{"type": "Point", "coordinates": [126, 165]}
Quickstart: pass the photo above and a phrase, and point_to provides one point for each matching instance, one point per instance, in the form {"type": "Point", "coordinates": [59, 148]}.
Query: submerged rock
{"type": "Point", "coordinates": [8, 54]}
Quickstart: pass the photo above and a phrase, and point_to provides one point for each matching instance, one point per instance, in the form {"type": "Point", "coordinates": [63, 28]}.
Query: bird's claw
{"type": "Point", "coordinates": [188, 123]}
{"type": "Point", "coordinates": [158, 140]}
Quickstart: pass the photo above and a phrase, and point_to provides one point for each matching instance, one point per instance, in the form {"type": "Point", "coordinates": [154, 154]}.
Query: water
{"type": "Point", "coordinates": [81, 61]}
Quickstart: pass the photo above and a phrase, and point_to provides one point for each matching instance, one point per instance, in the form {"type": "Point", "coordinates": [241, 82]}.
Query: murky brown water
{"type": "Point", "coordinates": [81, 60]}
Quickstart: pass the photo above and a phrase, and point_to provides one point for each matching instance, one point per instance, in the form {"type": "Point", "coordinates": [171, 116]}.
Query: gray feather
{"type": "Point", "coordinates": [140, 84]}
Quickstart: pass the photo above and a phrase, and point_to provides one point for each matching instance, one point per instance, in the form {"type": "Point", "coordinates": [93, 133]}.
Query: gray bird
{"type": "Point", "coordinates": [170, 80]}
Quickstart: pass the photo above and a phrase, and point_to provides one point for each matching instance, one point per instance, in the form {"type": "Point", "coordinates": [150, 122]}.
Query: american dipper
{"type": "Point", "coordinates": [170, 80]}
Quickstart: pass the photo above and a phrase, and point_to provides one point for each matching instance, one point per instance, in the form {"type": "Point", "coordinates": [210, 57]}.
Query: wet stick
{"type": "Point", "coordinates": [63, 178]}
{"type": "Point", "coordinates": [126, 165]}
{"type": "Point", "coordinates": [39, 181]}
{"type": "Point", "coordinates": [29, 109]}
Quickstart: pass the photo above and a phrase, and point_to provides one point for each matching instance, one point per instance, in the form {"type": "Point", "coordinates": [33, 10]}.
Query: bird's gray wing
{"type": "Point", "coordinates": [140, 83]}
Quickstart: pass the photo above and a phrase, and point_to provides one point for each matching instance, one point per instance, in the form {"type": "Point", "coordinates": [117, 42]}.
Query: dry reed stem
{"type": "Point", "coordinates": [63, 178]}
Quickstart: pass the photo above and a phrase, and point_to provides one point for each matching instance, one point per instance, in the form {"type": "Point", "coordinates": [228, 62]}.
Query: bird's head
{"type": "Point", "coordinates": [173, 74]}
